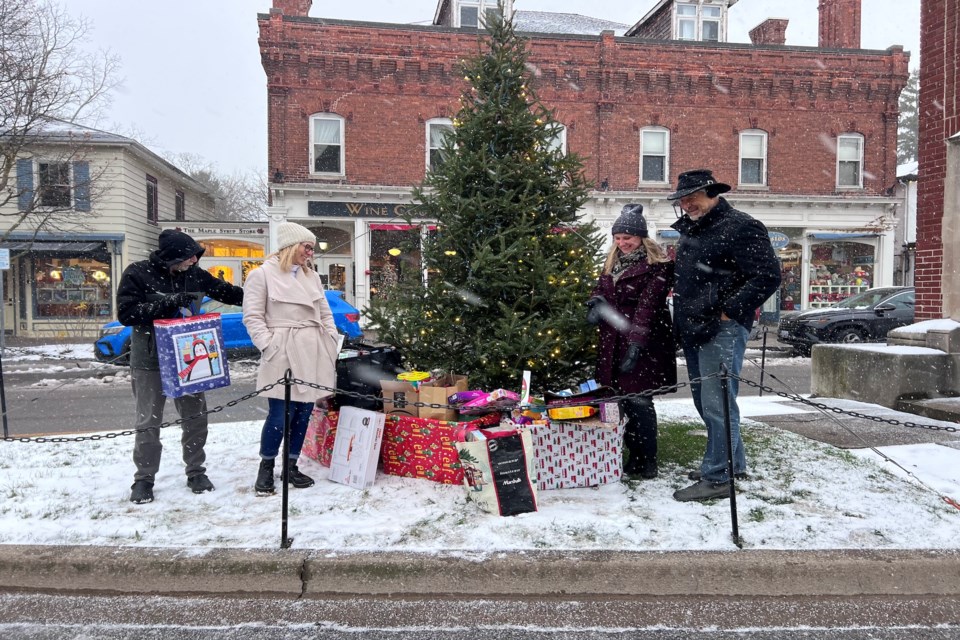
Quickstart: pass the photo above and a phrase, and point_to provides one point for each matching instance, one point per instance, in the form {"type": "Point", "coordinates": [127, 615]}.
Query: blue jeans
{"type": "Point", "coordinates": [727, 347]}
{"type": "Point", "coordinates": [272, 435]}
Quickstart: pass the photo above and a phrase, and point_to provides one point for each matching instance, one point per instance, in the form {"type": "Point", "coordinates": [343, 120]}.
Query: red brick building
{"type": "Point", "coordinates": [805, 135]}
{"type": "Point", "coordinates": [938, 185]}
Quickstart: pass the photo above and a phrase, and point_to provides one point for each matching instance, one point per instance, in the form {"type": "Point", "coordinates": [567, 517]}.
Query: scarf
{"type": "Point", "coordinates": [626, 261]}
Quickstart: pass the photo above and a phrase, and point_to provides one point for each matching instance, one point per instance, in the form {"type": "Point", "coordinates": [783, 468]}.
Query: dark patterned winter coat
{"type": "Point", "coordinates": [639, 296]}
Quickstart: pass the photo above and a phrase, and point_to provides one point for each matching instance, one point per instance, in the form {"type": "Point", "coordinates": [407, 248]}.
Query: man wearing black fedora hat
{"type": "Point", "coordinates": [725, 269]}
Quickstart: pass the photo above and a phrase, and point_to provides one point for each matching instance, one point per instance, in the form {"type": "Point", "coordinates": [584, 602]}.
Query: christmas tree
{"type": "Point", "coordinates": [509, 265]}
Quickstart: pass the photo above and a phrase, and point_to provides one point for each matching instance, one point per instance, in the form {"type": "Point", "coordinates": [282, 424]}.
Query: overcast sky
{"type": "Point", "coordinates": [193, 81]}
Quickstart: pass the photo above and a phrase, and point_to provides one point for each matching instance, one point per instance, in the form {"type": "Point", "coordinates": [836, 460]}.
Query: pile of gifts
{"type": "Point", "coordinates": [501, 446]}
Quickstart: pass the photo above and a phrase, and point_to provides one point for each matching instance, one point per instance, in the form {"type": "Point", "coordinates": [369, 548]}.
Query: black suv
{"type": "Point", "coordinates": [864, 317]}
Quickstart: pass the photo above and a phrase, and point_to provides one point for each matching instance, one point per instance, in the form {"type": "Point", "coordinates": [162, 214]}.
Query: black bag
{"type": "Point", "coordinates": [362, 374]}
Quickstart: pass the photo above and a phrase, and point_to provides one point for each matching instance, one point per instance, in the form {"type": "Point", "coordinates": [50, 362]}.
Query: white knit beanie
{"type": "Point", "coordinates": [290, 233]}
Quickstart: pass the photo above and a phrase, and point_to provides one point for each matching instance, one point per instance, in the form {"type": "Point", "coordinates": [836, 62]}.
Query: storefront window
{"type": "Point", "coordinates": [394, 256]}
{"type": "Point", "coordinates": [790, 276]}
{"type": "Point", "coordinates": [71, 288]}
{"type": "Point", "coordinates": [839, 270]}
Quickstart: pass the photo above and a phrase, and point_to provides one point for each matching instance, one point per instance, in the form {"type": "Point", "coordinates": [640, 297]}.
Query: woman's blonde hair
{"type": "Point", "coordinates": [286, 256]}
{"type": "Point", "coordinates": [655, 254]}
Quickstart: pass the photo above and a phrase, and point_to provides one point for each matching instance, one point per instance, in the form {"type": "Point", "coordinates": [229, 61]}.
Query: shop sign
{"type": "Point", "coordinates": [220, 231]}
{"type": "Point", "coordinates": [779, 240]}
{"type": "Point", "coordinates": [4, 258]}
{"type": "Point", "coordinates": [357, 209]}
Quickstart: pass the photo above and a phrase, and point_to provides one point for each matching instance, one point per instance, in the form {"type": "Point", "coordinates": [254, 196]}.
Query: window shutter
{"type": "Point", "coordinates": [24, 184]}
{"type": "Point", "coordinates": [81, 185]}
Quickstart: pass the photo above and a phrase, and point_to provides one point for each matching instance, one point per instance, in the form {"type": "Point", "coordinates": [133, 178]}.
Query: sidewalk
{"type": "Point", "coordinates": [564, 574]}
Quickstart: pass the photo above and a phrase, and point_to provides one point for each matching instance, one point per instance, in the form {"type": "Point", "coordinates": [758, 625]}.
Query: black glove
{"type": "Point", "coordinates": [176, 300]}
{"type": "Point", "coordinates": [631, 359]}
{"type": "Point", "coordinates": [594, 306]}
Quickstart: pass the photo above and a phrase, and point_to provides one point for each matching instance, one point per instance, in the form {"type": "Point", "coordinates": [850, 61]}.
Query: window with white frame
{"type": "Point", "coordinates": [654, 154]}
{"type": "Point", "coordinates": [326, 144]}
{"type": "Point", "coordinates": [476, 13]}
{"type": "Point", "coordinates": [753, 158]}
{"type": "Point", "coordinates": [850, 160]}
{"type": "Point", "coordinates": [437, 130]}
{"type": "Point", "coordinates": [558, 141]}
{"type": "Point", "coordinates": [697, 21]}
{"type": "Point", "coordinates": [53, 184]}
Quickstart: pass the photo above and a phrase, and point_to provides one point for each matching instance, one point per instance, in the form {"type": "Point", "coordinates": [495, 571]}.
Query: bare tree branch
{"type": "Point", "coordinates": [49, 84]}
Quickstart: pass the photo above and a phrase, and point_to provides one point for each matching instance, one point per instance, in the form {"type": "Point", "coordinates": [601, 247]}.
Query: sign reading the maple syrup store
{"type": "Point", "coordinates": [357, 209]}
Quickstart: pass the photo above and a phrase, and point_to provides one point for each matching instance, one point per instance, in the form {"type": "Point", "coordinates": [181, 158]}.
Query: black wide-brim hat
{"type": "Point", "coordinates": [699, 179]}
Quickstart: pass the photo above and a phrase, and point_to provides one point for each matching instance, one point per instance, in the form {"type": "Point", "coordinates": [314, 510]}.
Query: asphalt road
{"type": "Point", "coordinates": [43, 403]}
{"type": "Point", "coordinates": [46, 616]}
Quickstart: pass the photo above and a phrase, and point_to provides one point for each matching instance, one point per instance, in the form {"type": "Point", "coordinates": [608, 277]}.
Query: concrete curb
{"type": "Point", "coordinates": [315, 573]}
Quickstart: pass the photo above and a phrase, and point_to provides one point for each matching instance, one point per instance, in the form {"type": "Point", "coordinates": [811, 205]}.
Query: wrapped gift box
{"type": "Point", "coordinates": [321, 434]}
{"type": "Point", "coordinates": [356, 447]}
{"type": "Point", "coordinates": [577, 454]}
{"type": "Point", "coordinates": [191, 355]}
{"type": "Point", "coordinates": [424, 448]}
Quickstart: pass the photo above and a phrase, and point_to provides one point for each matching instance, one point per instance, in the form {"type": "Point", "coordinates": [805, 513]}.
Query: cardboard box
{"type": "Point", "coordinates": [357, 447]}
{"type": "Point", "coordinates": [398, 398]}
{"type": "Point", "coordinates": [437, 392]}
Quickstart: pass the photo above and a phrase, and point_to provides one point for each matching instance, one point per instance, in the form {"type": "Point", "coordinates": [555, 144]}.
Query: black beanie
{"type": "Point", "coordinates": [631, 221]}
{"type": "Point", "coordinates": [176, 246]}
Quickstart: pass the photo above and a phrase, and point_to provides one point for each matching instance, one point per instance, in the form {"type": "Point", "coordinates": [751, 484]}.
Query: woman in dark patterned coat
{"type": "Point", "coordinates": [637, 351]}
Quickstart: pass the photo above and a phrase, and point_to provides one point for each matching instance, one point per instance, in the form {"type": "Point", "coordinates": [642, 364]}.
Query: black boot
{"type": "Point", "coordinates": [264, 483]}
{"type": "Point", "coordinates": [297, 479]}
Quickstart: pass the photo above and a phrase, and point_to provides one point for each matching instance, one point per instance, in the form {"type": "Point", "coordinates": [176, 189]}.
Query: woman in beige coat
{"type": "Point", "coordinates": [287, 316]}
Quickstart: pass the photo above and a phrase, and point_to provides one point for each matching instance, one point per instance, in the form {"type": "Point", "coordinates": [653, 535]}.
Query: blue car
{"type": "Point", "coordinates": [113, 345]}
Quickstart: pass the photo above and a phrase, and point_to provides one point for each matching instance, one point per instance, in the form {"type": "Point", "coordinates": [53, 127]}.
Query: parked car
{"type": "Point", "coordinates": [113, 345]}
{"type": "Point", "coordinates": [864, 317]}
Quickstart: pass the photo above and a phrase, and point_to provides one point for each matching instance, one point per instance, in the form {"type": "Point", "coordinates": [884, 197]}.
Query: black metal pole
{"type": "Point", "coordinates": [724, 389]}
{"type": "Point", "coordinates": [285, 542]}
{"type": "Point", "coordinates": [763, 359]}
{"type": "Point", "coordinates": [3, 400]}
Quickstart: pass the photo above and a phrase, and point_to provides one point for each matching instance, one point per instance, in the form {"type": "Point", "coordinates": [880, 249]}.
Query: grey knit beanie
{"type": "Point", "coordinates": [631, 221]}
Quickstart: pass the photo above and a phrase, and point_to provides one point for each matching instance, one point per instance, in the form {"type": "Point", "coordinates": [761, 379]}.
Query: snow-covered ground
{"type": "Point", "coordinates": [802, 495]}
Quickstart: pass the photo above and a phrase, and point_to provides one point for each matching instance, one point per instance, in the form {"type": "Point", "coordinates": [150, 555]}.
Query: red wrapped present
{"type": "Point", "coordinates": [321, 434]}
{"type": "Point", "coordinates": [423, 447]}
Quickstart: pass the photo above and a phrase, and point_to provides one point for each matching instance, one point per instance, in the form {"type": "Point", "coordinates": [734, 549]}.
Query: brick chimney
{"type": "Point", "coordinates": [293, 7]}
{"type": "Point", "coordinates": [839, 24]}
{"type": "Point", "coordinates": [770, 31]}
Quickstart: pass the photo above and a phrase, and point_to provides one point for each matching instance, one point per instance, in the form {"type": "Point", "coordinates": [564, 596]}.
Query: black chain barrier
{"type": "Point", "coordinates": [823, 407]}
{"type": "Point", "coordinates": [434, 405]}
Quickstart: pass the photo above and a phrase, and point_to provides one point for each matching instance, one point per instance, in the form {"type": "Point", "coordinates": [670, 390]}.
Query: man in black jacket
{"type": "Point", "coordinates": [725, 269]}
{"type": "Point", "coordinates": [155, 289]}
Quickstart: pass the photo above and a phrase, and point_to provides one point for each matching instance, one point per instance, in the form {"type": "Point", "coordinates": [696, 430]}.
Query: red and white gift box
{"type": "Point", "coordinates": [577, 454]}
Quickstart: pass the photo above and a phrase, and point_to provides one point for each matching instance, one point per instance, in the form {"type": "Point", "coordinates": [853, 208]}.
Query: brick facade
{"type": "Point", "coordinates": [387, 81]}
{"type": "Point", "coordinates": [939, 120]}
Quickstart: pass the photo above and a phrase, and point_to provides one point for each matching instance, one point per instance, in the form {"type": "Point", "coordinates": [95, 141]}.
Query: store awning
{"type": "Point", "coordinates": [840, 236]}
{"type": "Point", "coordinates": [31, 245]}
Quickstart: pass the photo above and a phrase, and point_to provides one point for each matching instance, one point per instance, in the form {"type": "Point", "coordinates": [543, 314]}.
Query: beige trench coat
{"type": "Point", "coordinates": [290, 322]}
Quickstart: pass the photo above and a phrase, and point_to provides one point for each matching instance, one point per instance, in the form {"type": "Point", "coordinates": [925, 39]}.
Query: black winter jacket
{"type": "Point", "coordinates": [143, 285]}
{"type": "Point", "coordinates": [724, 264]}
